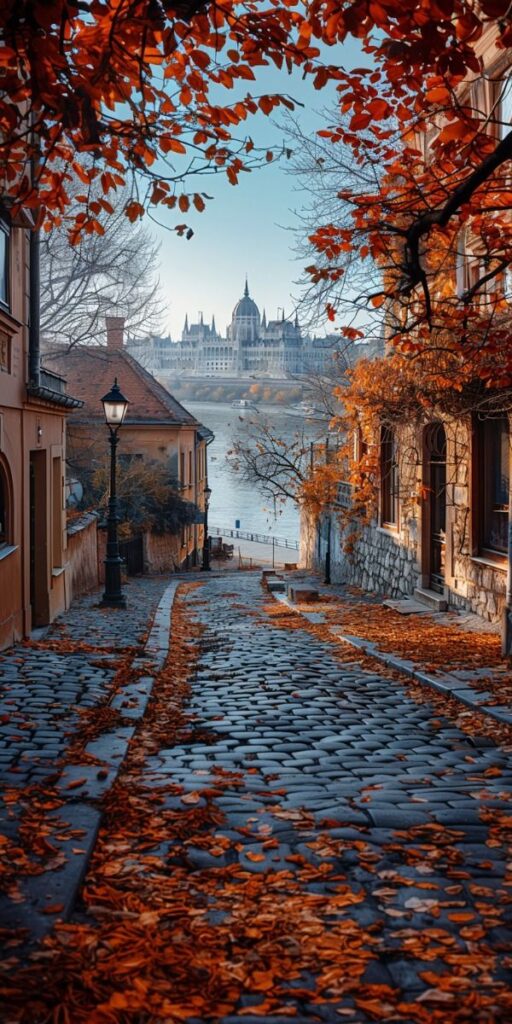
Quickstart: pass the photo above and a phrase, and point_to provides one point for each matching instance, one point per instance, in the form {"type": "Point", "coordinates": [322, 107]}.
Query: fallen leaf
{"type": "Point", "coordinates": [76, 783]}
{"type": "Point", "coordinates": [191, 798]}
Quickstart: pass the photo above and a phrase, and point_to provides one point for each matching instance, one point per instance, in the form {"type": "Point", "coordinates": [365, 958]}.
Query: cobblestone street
{"type": "Point", "coordinates": [347, 770]}
{"type": "Point", "coordinates": [296, 835]}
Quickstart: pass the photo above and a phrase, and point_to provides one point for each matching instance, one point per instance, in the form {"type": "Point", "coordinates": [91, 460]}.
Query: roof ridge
{"type": "Point", "coordinates": [162, 394]}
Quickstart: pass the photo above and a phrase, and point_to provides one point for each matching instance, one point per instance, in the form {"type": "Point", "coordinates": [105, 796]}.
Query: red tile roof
{"type": "Point", "coordinates": [90, 373]}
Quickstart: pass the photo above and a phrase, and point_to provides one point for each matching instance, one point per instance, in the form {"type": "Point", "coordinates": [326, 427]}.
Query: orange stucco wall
{"type": "Point", "coordinates": [30, 432]}
{"type": "Point", "coordinates": [173, 444]}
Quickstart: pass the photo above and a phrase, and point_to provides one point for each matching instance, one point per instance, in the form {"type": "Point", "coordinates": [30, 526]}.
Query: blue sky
{"type": "Point", "coordinates": [243, 229]}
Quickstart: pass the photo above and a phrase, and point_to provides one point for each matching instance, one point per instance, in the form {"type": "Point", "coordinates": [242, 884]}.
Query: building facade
{"type": "Point", "coordinates": [441, 525]}
{"type": "Point", "coordinates": [33, 408]}
{"type": "Point", "coordinates": [157, 428]}
{"type": "Point", "coordinates": [440, 529]}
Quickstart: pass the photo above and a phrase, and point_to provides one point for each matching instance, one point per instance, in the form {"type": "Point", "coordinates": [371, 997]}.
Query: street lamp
{"type": "Point", "coordinates": [115, 406]}
{"type": "Point", "coordinates": [206, 540]}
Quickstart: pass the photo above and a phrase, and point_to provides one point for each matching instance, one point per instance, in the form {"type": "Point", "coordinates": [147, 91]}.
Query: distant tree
{"type": "Point", "coordinates": [276, 466]}
{"type": "Point", "coordinates": [101, 273]}
{"type": "Point", "coordinates": [147, 492]}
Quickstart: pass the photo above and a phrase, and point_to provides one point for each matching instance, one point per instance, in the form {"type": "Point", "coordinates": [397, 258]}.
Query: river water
{"type": "Point", "coordinates": [234, 498]}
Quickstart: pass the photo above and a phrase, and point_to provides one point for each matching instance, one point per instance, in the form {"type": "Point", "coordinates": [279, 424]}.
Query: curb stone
{"type": "Point", "coordinates": [446, 684]}
{"type": "Point", "coordinates": [61, 887]}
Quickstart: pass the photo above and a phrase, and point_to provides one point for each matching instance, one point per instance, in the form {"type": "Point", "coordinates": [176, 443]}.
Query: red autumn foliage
{"type": "Point", "coordinates": [97, 91]}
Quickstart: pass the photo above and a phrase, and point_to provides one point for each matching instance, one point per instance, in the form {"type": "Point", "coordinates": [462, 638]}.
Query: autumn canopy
{"type": "Point", "coordinates": [108, 89]}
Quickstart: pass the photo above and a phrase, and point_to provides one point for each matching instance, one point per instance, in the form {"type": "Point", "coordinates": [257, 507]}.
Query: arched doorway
{"type": "Point", "coordinates": [434, 478]}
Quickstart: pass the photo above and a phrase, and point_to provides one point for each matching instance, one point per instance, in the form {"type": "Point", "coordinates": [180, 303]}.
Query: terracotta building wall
{"type": "Point", "coordinates": [82, 557]}
{"type": "Point", "coordinates": [32, 454]}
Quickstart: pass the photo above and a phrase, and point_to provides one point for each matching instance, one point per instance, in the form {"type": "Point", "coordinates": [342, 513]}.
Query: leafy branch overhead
{"type": "Point", "coordinates": [137, 86]}
{"type": "Point", "coordinates": [425, 203]}
{"type": "Point", "coordinates": [154, 94]}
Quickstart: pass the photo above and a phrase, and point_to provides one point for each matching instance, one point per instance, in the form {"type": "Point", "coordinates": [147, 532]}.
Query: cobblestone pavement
{"type": "Point", "coordinates": [49, 797]}
{"type": "Point", "coordinates": [44, 685]}
{"type": "Point", "coordinates": [407, 806]}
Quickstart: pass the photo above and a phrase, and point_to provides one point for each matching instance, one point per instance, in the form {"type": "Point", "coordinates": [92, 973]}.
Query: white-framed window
{"type": "Point", "coordinates": [5, 506]}
{"type": "Point", "coordinates": [503, 112]}
{"type": "Point", "coordinates": [5, 297]}
{"type": "Point", "coordinates": [491, 465]}
{"type": "Point", "coordinates": [388, 477]}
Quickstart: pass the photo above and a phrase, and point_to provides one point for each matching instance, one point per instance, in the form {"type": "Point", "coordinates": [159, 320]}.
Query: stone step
{"type": "Point", "coordinates": [276, 586]}
{"type": "Point", "coordinates": [302, 594]}
{"type": "Point", "coordinates": [407, 606]}
{"type": "Point", "coordinates": [431, 598]}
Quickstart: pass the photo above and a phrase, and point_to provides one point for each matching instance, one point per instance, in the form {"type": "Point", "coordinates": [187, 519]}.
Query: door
{"type": "Point", "coordinates": [39, 596]}
{"type": "Point", "coordinates": [435, 472]}
{"type": "Point", "coordinates": [133, 553]}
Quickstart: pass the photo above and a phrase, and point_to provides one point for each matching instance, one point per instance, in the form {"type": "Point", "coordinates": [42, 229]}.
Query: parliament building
{"type": "Point", "coordinates": [253, 346]}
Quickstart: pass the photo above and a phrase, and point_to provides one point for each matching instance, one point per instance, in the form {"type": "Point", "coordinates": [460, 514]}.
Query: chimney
{"type": "Point", "coordinates": [115, 333]}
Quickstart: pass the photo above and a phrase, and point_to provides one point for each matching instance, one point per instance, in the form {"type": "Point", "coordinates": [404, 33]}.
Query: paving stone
{"type": "Point", "coordinates": [54, 887]}
{"type": "Point", "coordinates": [324, 731]}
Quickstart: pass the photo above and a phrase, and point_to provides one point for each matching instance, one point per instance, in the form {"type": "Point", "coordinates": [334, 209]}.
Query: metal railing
{"type": "Point", "coordinates": [258, 538]}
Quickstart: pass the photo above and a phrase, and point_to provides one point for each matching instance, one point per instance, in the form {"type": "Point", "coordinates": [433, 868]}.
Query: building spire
{"type": "Point", "coordinates": [264, 319]}
{"type": "Point", "coordinates": [186, 323]}
{"type": "Point", "coordinates": [214, 329]}
{"type": "Point", "coordinates": [246, 289]}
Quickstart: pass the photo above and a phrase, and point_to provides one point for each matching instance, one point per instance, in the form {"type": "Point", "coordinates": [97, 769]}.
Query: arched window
{"type": "Point", "coordinates": [388, 477]}
{"type": "Point", "coordinates": [5, 506]}
{"type": "Point", "coordinates": [4, 262]}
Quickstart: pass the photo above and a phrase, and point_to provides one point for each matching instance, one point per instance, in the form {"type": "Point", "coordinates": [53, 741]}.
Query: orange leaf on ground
{"type": "Point", "coordinates": [191, 798]}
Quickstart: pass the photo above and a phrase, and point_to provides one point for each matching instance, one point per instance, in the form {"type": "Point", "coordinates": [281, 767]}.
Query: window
{"type": "Point", "coordinates": [504, 106]}
{"type": "Point", "coordinates": [469, 263]}
{"type": "Point", "coordinates": [182, 469]}
{"type": "Point", "coordinates": [492, 483]}
{"type": "Point", "coordinates": [4, 263]}
{"type": "Point", "coordinates": [5, 508]}
{"type": "Point", "coordinates": [388, 477]}
{"type": "Point", "coordinates": [5, 352]}
{"type": "Point", "coordinates": [57, 518]}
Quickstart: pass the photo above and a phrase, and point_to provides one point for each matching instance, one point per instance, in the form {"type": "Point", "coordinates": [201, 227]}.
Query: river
{"type": "Point", "coordinates": [232, 497]}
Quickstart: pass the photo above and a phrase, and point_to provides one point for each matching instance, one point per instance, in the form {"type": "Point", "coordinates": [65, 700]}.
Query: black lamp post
{"type": "Point", "coordinates": [115, 406]}
{"type": "Point", "coordinates": [206, 540]}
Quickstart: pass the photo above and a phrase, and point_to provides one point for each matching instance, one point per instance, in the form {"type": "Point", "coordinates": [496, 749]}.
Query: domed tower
{"type": "Point", "coordinates": [245, 322]}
